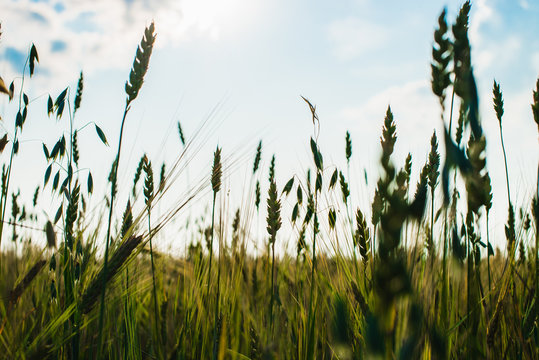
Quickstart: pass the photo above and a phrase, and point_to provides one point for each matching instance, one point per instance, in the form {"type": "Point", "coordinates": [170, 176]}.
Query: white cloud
{"type": "Point", "coordinates": [412, 104]}
{"type": "Point", "coordinates": [482, 14]}
{"type": "Point", "coordinates": [352, 37]}
{"type": "Point", "coordinates": [535, 61]}
{"type": "Point", "coordinates": [103, 34]}
{"type": "Point", "coordinates": [497, 54]}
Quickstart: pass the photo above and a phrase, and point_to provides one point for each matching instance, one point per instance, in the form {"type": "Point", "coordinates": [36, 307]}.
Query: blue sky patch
{"type": "Point", "coordinates": [59, 7]}
{"type": "Point", "coordinates": [37, 17]}
{"type": "Point", "coordinates": [58, 45]}
{"type": "Point", "coordinates": [15, 57]}
{"type": "Point", "coordinates": [82, 23]}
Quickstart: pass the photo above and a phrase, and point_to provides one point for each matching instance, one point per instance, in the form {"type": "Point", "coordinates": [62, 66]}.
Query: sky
{"type": "Point", "coordinates": [245, 64]}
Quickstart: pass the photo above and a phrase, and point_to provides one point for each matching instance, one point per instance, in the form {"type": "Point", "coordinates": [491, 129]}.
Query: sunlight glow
{"type": "Point", "coordinates": [215, 16]}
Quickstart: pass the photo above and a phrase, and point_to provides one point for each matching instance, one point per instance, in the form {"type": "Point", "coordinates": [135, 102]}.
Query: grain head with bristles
{"type": "Point", "coordinates": [362, 235]}
{"type": "Point", "coordinates": [120, 256]}
{"type": "Point", "coordinates": [441, 56]}
{"type": "Point", "coordinates": [127, 219]}
{"type": "Point", "coordinates": [274, 207]}
{"type": "Point", "coordinates": [78, 96]}
{"type": "Point", "coordinates": [434, 162]}
{"type": "Point", "coordinates": [148, 182]}
{"type": "Point", "coordinates": [258, 156]}
{"type": "Point", "coordinates": [180, 133]}
{"type": "Point", "coordinates": [140, 64]}
{"type": "Point", "coordinates": [216, 172]}
{"type": "Point", "coordinates": [498, 101]}
{"type": "Point", "coordinates": [17, 292]}
{"type": "Point", "coordinates": [348, 148]}
{"type": "Point", "coordinates": [138, 173]}
{"type": "Point", "coordinates": [257, 195]}
{"type": "Point", "coordinates": [461, 50]}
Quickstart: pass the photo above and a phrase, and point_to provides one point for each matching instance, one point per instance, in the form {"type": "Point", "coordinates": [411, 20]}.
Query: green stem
{"type": "Point", "coordinates": [506, 170]}
{"type": "Point", "coordinates": [211, 241]}
{"type": "Point", "coordinates": [216, 316]}
{"type": "Point", "coordinates": [3, 198]}
{"type": "Point", "coordinates": [488, 261]}
{"type": "Point", "coordinates": [107, 243]}
{"type": "Point", "coordinates": [311, 320]}
{"type": "Point", "coordinates": [432, 219]}
{"type": "Point", "coordinates": [156, 312]}
{"type": "Point", "coordinates": [272, 285]}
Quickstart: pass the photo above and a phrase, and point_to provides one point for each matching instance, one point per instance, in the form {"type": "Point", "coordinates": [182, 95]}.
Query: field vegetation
{"type": "Point", "coordinates": [413, 276]}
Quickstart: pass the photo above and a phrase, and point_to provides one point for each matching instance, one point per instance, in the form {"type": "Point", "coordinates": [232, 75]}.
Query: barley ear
{"type": "Point", "coordinates": [348, 148]}
{"type": "Point", "coordinates": [257, 195]}
{"type": "Point", "coordinates": [272, 169]}
{"type": "Point", "coordinates": [162, 177]}
{"type": "Point", "coordinates": [408, 167]}
{"type": "Point", "coordinates": [120, 256]}
{"type": "Point", "coordinates": [216, 172]}
{"type": "Point", "coordinates": [258, 156]}
{"type": "Point", "coordinates": [75, 144]}
{"type": "Point", "coordinates": [16, 293]}
{"type": "Point", "coordinates": [127, 219]}
{"type": "Point", "coordinates": [78, 96]}
{"type": "Point", "coordinates": [180, 133]}
{"type": "Point", "coordinates": [362, 235]}
{"type": "Point", "coordinates": [138, 172]}
{"type": "Point", "coordinates": [498, 101]}
{"type": "Point", "coordinates": [434, 162]}
{"type": "Point", "coordinates": [344, 188]}
{"type": "Point", "coordinates": [388, 139]}
{"type": "Point", "coordinates": [441, 56]}
{"type": "Point", "coordinates": [148, 182]}
{"type": "Point", "coordinates": [461, 50]}
{"type": "Point", "coordinates": [140, 64]}
{"type": "Point", "coordinates": [274, 212]}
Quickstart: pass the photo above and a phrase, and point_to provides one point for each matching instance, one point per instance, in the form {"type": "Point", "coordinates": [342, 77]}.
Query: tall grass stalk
{"type": "Point", "coordinates": [132, 88]}
{"type": "Point", "coordinates": [216, 186]}
{"type": "Point", "coordinates": [274, 224]}
{"type": "Point", "coordinates": [148, 197]}
{"type": "Point", "coordinates": [318, 161]}
{"type": "Point", "coordinates": [19, 122]}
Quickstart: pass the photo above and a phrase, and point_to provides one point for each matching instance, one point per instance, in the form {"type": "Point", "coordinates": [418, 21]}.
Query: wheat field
{"type": "Point", "coordinates": [412, 276]}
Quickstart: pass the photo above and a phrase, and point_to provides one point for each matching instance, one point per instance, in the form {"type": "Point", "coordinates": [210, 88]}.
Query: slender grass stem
{"type": "Point", "coordinates": [107, 242]}
{"type": "Point", "coordinates": [155, 307]}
